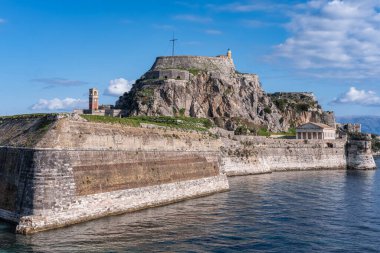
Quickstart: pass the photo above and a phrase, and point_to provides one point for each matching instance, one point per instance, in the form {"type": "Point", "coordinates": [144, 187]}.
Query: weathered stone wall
{"type": "Point", "coordinates": [80, 171]}
{"type": "Point", "coordinates": [257, 155]}
{"type": "Point", "coordinates": [167, 74]}
{"type": "Point", "coordinates": [359, 155]}
{"type": "Point", "coordinates": [94, 206]}
{"type": "Point", "coordinates": [66, 186]}
{"type": "Point", "coordinates": [210, 64]}
{"type": "Point", "coordinates": [16, 173]}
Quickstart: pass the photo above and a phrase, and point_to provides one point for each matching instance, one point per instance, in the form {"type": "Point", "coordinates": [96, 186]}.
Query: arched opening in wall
{"type": "Point", "coordinates": [166, 77]}
{"type": "Point", "coordinates": [330, 145]}
{"type": "Point", "coordinates": [178, 77]}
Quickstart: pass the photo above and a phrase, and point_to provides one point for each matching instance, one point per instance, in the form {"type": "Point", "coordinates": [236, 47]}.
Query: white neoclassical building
{"type": "Point", "coordinates": [315, 131]}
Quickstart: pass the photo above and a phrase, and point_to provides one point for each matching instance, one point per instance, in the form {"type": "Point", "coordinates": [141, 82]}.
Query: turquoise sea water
{"type": "Point", "coordinates": [314, 211]}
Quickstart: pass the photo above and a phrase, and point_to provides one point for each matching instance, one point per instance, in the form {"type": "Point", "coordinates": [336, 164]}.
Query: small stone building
{"type": "Point", "coordinates": [315, 131]}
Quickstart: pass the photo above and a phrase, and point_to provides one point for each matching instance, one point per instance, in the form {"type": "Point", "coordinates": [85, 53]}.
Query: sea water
{"type": "Point", "coordinates": [305, 211]}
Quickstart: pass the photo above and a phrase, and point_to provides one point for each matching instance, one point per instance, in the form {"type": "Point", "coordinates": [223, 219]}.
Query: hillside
{"type": "Point", "coordinates": [211, 87]}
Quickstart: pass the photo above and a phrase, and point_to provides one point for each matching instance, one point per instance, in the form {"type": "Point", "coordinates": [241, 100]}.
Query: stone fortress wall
{"type": "Point", "coordinates": [167, 74]}
{"type": "Point", "coordinates": [78, 170]}
{"type": "Point", "coordinates": [359, 155]}
{"type": "Point", "coordinates": [81, 171]}
{"type": "Point", "coordinates": [255, 155]}
{"type": "Point", "coordinates": [210, 64]}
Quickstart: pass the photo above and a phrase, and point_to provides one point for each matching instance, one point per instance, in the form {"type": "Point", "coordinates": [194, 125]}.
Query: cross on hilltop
{"type": "Point", "coordinates": [173, 41]}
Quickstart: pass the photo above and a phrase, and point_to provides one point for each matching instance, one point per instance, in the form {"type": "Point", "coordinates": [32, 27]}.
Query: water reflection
{"type": "Point", "coordinates": [281, 212]}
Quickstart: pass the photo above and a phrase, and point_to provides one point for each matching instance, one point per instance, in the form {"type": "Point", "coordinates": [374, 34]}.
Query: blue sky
{"type": "Point", "coordinates": [52, 51]}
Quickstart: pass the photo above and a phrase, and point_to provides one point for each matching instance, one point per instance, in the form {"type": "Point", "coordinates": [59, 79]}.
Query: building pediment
{"type": "Point", "coordinates": [312, 125]}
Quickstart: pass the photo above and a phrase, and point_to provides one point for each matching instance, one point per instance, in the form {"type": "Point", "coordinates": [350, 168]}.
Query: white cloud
{"type": "Point", "coordinates": [117, 87]}
{"type": "Point", "coordinates": [247, 6]}
{"type": "Point", "coordinates": [57, 104]}
{"type": "Point", "coordinates": [360, 97]}
{"type": "Point", "coordinates": [213, 32]}
{"type": "Point", "coordinates": [193, 18]}
{"type": "Point", "coordinates": [340, 37]}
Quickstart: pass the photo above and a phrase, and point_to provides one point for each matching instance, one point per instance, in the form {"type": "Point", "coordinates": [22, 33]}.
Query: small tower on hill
{"type": "Point", "coordinates": [229, 55]}
{"type": "Point", "coordinates": [93, 99]}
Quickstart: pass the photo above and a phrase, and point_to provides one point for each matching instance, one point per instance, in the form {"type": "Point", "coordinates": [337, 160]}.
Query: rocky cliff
{"type": "Point", "coordinates": [300, 107]}
{"type": "Point", "coordinates": [211, 87]}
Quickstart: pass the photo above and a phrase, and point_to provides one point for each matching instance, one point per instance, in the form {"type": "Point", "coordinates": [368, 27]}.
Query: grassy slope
{"type": "Point", "coordinates": [174, 122]}
{"type": "Point", "coordinates": [24, 130]}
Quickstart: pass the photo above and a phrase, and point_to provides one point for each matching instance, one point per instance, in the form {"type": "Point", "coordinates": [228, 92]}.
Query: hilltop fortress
{"type": "Point", "coordinates": [210, 87]}
{"type": "Point", "coordinates": [59, 170]}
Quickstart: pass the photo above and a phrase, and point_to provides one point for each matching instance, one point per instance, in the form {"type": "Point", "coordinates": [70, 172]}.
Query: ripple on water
{"type": "Point", "coordinates": [320, 211]}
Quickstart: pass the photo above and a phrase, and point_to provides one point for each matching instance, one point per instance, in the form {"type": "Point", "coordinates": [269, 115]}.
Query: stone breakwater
{"type": "Point", "coordinates": [80, 171]}
{"type": "Point", "coordinates": [256, 155]}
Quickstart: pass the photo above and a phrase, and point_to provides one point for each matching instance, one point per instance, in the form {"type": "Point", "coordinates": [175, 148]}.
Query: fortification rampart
{"type": "Point", "coordinates": [264, 155]}
{"type": "Point", "coordinates": [167, 74]}
{"type": "Point", "coordinates": [79, 171]}
{"type": "Point", "coordinates": [59, 171]}
{"type": "Point", "coordinates": [359, 155]}
{"type": "Point", "coordinates": [210, 64]}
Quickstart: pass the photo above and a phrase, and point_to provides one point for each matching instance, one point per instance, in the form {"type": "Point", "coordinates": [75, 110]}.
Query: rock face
{"type": "Point", "coordinates": [301, 107]}
{"type": "Point", "coordinates": [210, 87]}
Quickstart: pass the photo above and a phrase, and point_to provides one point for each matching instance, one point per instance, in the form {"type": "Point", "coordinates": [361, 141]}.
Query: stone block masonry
{"type": "Point", "coordinates": [210, 64]}
{"type": "Point", "coordinates": [263, 155]}
{"type": "Point", "coordinates": [72, 171]}
{"type": "Point", "coordinates": [80, 171]}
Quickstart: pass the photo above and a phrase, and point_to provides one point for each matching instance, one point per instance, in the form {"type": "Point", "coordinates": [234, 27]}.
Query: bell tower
{"type": "Point", "coordinates": [93, 100]}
